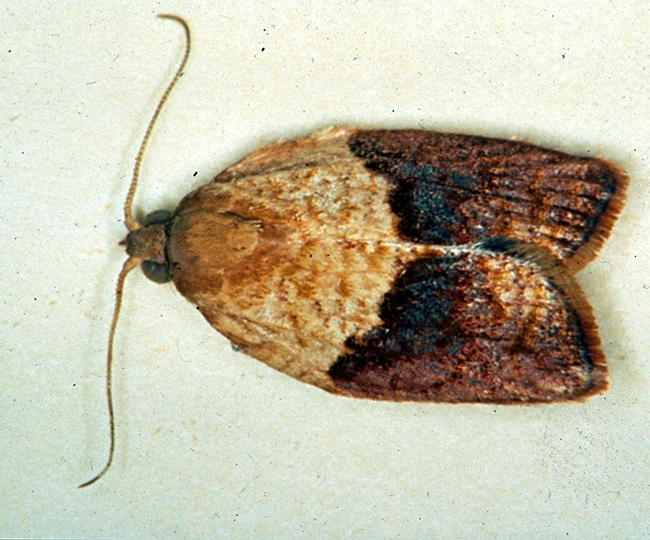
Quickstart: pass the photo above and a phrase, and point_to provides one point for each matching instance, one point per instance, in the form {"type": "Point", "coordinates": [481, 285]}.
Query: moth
{"type": "Point", "coordinates": [394, 264]}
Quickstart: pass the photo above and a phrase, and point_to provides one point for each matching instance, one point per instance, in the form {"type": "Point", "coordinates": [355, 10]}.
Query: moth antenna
{"type": "Point", "coordinates": [129, 265]}
{"type": "Point", "coordinates": [132, 262]}
{"type": "Point", "coordinates": [132, 224]}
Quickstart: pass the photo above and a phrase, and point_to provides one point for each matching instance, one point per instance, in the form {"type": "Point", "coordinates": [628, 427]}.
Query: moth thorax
{"type": "Point", "coordinates": [149, 244]}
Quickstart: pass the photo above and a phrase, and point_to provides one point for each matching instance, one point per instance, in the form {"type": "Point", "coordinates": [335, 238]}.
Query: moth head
{"type": "Point", "coordinates": [145, 244]}
{"type": "Point", "coordinates": [149, 244]}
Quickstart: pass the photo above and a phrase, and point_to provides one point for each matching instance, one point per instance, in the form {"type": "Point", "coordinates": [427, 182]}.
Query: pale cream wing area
{"type": "Point", "coordinates": [324, 253]}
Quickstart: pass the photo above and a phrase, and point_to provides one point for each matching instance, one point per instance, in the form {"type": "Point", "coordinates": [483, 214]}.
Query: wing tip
{"type": "Point", "coordinates": [588, 251]}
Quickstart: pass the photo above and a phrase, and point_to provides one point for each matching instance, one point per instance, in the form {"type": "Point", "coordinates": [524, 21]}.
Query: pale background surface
{"type": "Point", "coordinates": [211, 443]}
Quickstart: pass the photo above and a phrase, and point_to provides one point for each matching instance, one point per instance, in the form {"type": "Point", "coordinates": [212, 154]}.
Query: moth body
{"type": "Point", "coordinates": [402, 265]}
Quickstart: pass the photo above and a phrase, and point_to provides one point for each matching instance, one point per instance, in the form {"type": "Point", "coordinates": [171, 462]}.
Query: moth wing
{"type": "Point", "coordinates": [336, 290]}
{"type": "Point", "coordinates": [450, 189]}
{"type": "Point", "coordinates": [501, 322]}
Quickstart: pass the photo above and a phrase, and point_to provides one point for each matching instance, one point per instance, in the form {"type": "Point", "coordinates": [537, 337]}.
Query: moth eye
{"type": "Point", "coordinates": [156, 272]}
{"type": "Point", "coordinates": [158, 216]}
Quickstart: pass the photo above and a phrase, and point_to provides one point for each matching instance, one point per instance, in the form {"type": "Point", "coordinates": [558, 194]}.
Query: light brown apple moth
{"type": "Point", "coordinates": [394, 264]}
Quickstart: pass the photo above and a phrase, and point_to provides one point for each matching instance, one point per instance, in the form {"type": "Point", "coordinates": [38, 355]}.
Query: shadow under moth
{"type": "Point", "coordinates": [393, 264]}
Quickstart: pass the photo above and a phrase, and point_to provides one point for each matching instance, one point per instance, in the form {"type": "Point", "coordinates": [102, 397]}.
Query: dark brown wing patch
{"type": "Point", "coordinates": [452, 189]}
{"type": "Point", "coordinates": [496, 323]}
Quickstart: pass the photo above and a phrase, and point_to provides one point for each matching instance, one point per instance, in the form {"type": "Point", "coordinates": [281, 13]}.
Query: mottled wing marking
{"type": "Point", "coordinates": [349, 260]}
{"type": "Point", "coordinates": [477, 325]}
{"type": "Point", "coordinates": [326, 252]}
{"type": "Point", "coordinates": [450, 189]}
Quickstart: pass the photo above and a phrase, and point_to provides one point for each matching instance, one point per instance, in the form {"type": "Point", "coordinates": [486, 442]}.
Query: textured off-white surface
{"type": "Point", "coordinates": [210, 443]}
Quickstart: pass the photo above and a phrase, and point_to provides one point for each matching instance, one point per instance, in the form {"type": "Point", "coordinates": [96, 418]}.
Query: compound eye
{"type": "Point", "coordinates": [156, 272]}
{"type": "Point", "coordinates": [158, 216]}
